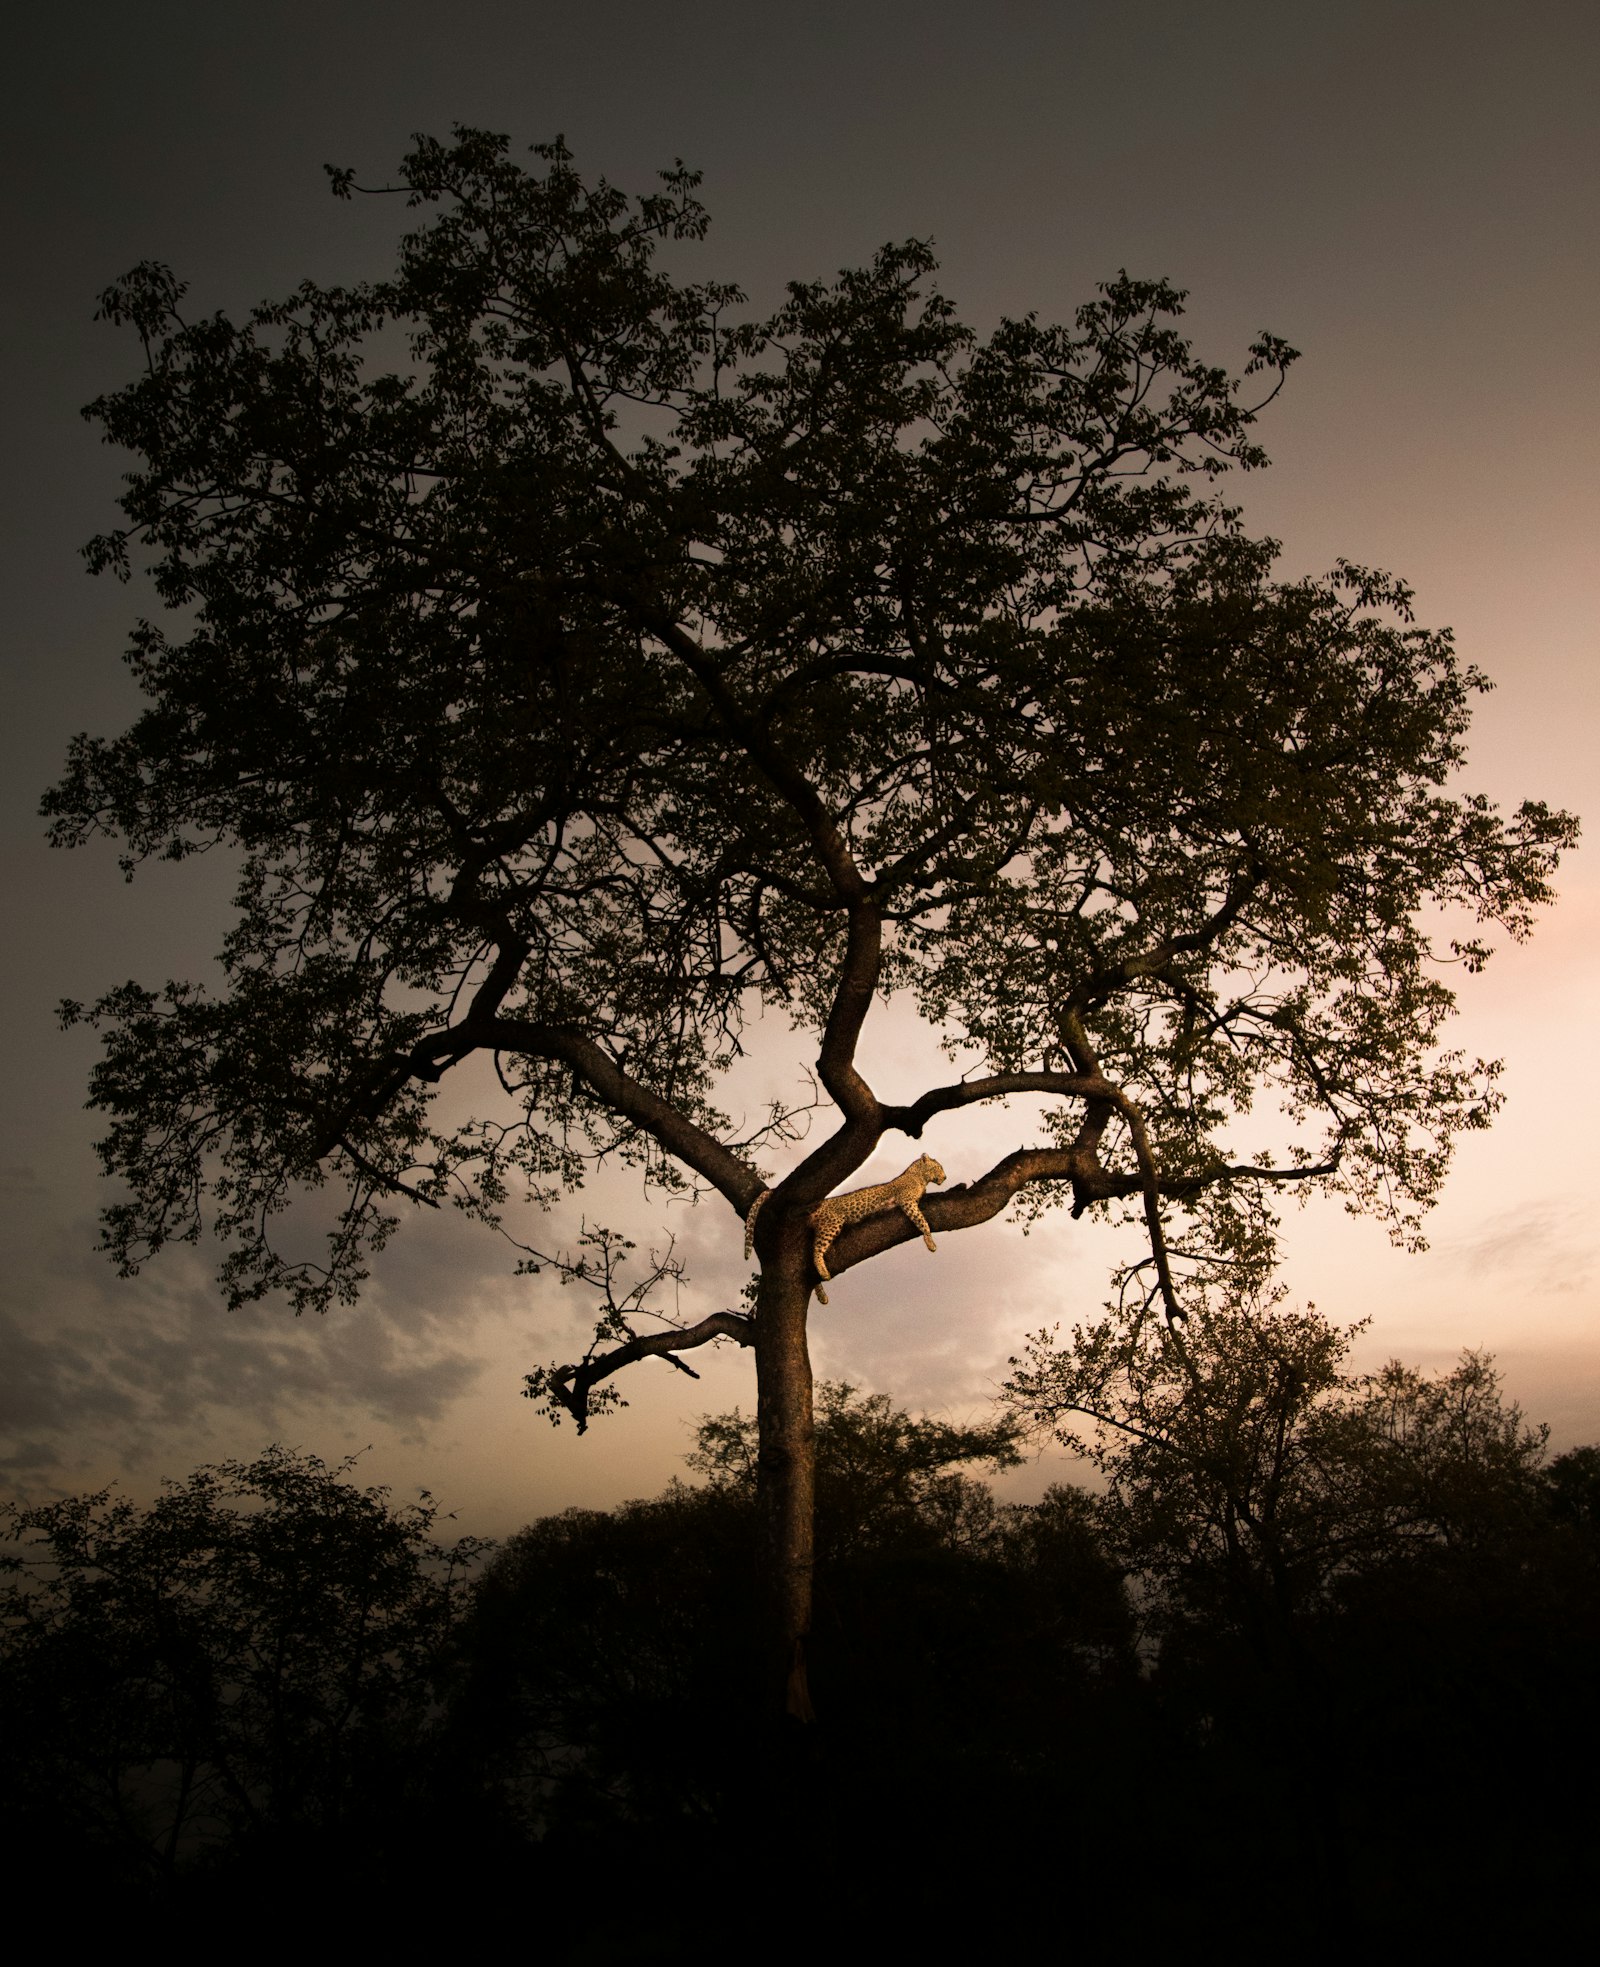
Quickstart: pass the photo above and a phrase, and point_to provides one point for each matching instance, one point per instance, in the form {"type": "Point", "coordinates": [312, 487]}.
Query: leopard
{"type": "Point", "coordinates": [838, 1211]}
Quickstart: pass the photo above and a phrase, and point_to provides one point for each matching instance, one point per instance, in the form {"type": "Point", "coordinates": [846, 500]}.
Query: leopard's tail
{"type": "Point", "coordinates": [750, 1221]}
{"type": "Point", "coordinates": [750, 1237]}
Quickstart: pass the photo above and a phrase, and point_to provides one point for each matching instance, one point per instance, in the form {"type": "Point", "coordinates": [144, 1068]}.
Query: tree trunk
{"type": "Point", "coordinates": [786, 1469]}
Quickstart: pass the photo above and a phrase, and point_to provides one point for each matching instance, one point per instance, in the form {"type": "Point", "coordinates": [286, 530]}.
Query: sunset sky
{"type": "Point", "coordinates": [1407, 192]}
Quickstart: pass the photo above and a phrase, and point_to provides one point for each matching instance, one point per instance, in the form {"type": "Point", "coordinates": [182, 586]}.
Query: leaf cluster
{"type": "Point", "coordinates": [576, 662]}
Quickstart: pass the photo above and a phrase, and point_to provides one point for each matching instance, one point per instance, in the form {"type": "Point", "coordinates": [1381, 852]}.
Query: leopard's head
{"type": "Point", "coordinates": [931, 1168]}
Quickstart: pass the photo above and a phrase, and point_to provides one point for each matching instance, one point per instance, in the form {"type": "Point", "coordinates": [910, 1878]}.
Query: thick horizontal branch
{"type": "Point", "coordinates": [1085, 1172]}
{"type": "Point", "coordinates": [572, 1385]}
{"type": "Point", "coordinates": [1243, 1171]}
{"type": "Point", "coordinates": [967, 1205]}
{"type": "Point", "coordinates": [806, 678]}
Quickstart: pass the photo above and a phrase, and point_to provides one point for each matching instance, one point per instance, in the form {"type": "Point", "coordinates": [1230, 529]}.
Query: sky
{"type": "Point", "coordinates": [1406, 192]}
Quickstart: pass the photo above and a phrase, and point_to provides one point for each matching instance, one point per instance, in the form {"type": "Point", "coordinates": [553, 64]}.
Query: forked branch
{"type": "Point", "coordinates": [572, 1387]}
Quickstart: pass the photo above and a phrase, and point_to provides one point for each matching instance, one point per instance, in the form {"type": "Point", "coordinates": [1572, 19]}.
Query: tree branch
{"type": "Point", "coordinates": [1104, 983]}
{"type": "Point", "coordinates": [852, 999]}
{"type": "Point", "coordinates": [571, 1386]}
{"type": "Point", "coordinates": [864, 945]}
{"type": "Point", "coordinates": [997, 1086]}
{"type": "Point", "coordinates": [967, 1205]}
{"type": "Point", "coordinates": [784, 774]}
{"type": "Point", "coordinates": [734, 1179]}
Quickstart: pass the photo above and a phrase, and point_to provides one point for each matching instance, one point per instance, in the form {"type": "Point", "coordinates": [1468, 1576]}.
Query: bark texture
{"type": "Point", "coordinates": [786, 1467]}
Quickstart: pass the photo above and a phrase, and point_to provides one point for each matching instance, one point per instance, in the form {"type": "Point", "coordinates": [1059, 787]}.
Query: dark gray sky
{"type": "Point", "coordinates": [1408, 192]}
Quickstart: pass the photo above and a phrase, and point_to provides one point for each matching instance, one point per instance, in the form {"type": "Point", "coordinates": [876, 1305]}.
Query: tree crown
{"type": "Point", "coordinates": [1246, 1462]}
{"type": "Point", "coordinates": [575, 661]}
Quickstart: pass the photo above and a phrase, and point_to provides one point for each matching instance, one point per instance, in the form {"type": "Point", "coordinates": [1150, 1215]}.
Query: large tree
{"type": "Point", "coordinates": [576, 663]}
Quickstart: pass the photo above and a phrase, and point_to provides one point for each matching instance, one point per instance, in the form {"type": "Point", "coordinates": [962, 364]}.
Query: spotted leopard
{"type": "Point", "coordinates": [829, 1217]}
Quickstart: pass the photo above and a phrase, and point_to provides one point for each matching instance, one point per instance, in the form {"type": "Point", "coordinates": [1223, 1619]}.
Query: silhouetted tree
{"type": "Point", "coordinates": [618, 663]}
{"type": "Point", "coordinates": [1366, 1599]}
{"type": "Point", "coordinates": [964, 1649]}
{"type": "Point", "coordinates": [618, 1627]}
{"type": "Point", "coordinates": [1573, 1480]}
{"type": "Point", "coordinates": [884, 1476]}
{"type": "Point", "coordinates": [1250, 1472]}
{"type": "Point", "coordinates": [251, 1661]}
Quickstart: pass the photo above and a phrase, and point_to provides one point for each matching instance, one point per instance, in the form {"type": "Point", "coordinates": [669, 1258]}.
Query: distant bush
{"type": "Point", "coordinates": [255, 1661]}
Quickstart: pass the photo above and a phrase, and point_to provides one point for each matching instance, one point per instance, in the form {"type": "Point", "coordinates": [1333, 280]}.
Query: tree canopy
{"type": "Point", "coordinates": [271, 1683]}
{"type": "Point", "coordinates": [1252, 1476]}
{"type": "Point", "coordinates": [578, 661]}
{"type": "Point", "coordinates": [257, 1653]}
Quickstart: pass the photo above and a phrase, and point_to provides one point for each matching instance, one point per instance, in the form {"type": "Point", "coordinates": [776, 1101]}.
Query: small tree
{"type": "Point", "coordinates": [882, 1474]}
{"type": "Point", "coordinates": [255, 1654]}
{"type": "Point", "coordinates": [1251, 1474]}
{"type": "Point", "coordinates": [620, 663]}
{"type": "Point", "coordinates": [1374, 1608]}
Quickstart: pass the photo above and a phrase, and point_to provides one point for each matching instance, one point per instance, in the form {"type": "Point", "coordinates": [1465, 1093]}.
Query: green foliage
{"type": "Point", "coordinates": [611, 662]}
{"type": "Point", "coordinates": [253, 1657]}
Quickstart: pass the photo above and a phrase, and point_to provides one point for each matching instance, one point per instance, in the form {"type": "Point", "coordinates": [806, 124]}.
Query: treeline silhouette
{"type": "Point", "coordinates": [1366, 1704]}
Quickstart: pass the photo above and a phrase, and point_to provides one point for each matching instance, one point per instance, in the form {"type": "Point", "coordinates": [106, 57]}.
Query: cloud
{"type": "Point", "coordinates": [105, 1369]}
{"type": "Point", "coordinates": [1546, 1246]}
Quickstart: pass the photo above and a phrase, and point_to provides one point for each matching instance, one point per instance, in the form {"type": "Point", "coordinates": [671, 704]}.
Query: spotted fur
{"type": "Point", "coordinates": [839, 1211]}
